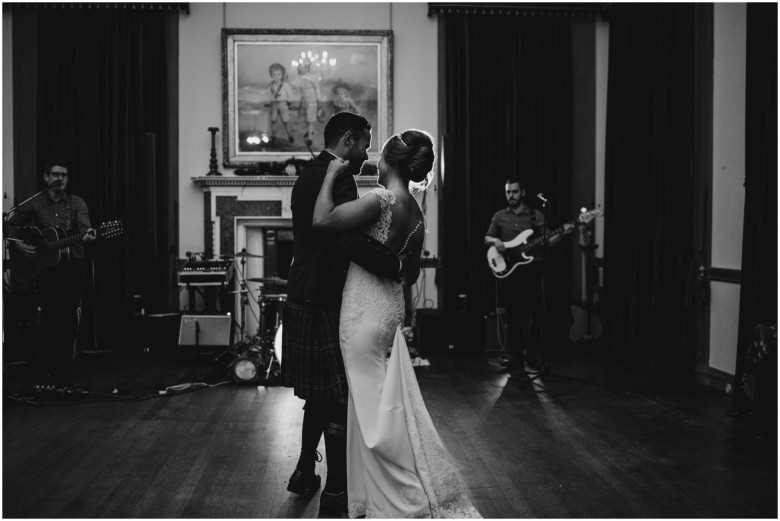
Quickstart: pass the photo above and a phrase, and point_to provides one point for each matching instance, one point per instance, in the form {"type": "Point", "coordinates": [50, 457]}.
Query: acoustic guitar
{"type": "Point", "coordinates": [516, 253]}
{"type": "Point", "coordinates": [53, 248]}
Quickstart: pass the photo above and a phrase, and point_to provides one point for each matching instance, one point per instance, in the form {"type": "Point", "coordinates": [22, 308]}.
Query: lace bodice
{"type": "Point", "coordinates": [380, 230]}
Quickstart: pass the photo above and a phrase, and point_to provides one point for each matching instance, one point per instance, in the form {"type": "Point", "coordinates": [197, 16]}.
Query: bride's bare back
{"type": "Point", "coordinates": [407, 227]}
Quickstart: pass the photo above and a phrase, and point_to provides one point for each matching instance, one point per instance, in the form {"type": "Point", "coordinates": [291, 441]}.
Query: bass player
{"type": "Point", "coordinates": [59, 287]}
{"type": "Point", "coordinates": [521, 294]}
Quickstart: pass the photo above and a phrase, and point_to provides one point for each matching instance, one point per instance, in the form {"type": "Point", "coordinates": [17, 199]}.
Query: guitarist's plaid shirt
{"type": "Point", "coordinates": [70, 214]}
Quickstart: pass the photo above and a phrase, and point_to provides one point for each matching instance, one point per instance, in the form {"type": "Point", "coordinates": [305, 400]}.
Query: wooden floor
{"type": "Point", "coordinates": [618, 445]}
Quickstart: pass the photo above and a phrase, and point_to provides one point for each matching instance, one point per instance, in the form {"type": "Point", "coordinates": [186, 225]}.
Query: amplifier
{"type": "Point", "coordinates": [204, 330]}
{"type": "Point", "coordinates": [495, 333]}
{"type": "Point", "coordinates": [204, 273]}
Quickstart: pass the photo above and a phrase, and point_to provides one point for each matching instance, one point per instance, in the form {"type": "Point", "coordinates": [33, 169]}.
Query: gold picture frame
{"type": "Point", "coordinates": [281, 86]}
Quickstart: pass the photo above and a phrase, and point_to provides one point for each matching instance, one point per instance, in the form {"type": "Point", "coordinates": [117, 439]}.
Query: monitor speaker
{"type": "Point", "coordinates": [204, 331]}
{"type": "Point", "coordinates": [158, 332]}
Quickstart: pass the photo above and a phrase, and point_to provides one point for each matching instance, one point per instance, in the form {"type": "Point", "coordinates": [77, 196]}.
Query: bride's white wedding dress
{"type": "Point", "coordinates": [397, 466]}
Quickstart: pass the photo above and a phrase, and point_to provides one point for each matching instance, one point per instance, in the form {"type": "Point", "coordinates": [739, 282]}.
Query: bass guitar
{"type": "Point", "coordinates": [503, 264]}
{"type": "Point", "coordinates": [53, 248]}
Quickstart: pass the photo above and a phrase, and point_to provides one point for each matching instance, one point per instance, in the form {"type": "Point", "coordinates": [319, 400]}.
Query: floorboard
{"type": "Point", "coordinates": [616, 444]}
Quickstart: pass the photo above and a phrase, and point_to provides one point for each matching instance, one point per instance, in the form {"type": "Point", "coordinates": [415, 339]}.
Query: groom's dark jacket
{"type": "Point", "coordinates": [321, 259]}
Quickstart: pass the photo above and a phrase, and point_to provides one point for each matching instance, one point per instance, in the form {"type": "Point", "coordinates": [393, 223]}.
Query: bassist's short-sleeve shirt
{"type": "Point", "coordinates": [506, 224]}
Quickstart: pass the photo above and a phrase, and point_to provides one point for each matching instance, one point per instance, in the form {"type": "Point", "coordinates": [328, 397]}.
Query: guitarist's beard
{"type": "Point", "coordinates": [56, 188]}
{"type": "Point", "coordinates": [57, 192]}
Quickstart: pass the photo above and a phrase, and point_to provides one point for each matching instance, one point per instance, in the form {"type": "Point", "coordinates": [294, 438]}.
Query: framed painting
{"type": "Point", "coordinates": [281, 86]}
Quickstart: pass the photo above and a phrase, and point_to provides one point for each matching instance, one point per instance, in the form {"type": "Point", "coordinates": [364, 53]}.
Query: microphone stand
{"type": "Point", "coordinates": [544, 370]}
{"type": "Point", "coordinates": [7, 215]}
{"type": "Point", "coordinates": [7, 240]}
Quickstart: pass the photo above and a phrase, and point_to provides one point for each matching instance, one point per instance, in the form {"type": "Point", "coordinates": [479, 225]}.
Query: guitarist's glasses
{"type": "Point", "coordinates": [58, 174]}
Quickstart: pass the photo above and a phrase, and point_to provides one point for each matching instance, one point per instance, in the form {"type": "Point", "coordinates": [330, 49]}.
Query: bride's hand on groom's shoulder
{"type": "Point", "coordinates": [337, 166]}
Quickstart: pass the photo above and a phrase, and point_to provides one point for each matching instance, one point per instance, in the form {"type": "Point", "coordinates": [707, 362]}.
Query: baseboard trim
{"type": "Point", "coordinates": [714, 378]}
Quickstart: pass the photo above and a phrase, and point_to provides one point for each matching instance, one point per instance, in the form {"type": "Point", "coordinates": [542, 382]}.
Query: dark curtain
{"type": "Point", "coordinates": [507, 91]}
{"type": "Point", "coordinates": [758, 292]}
{"type": "Point", "coordinates": [102, 107]}
{"type": "Point", "coordinates": [649, 193]}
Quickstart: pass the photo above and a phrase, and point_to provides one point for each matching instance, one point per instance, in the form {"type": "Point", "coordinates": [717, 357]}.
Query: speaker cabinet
{"type": "Point", "coordinates": [431, 334]}
{"type": "Point", "coordinates": [494, 333]}
{"type": "Point", "coordinates": [204, 331]}
{"type": "Point", "coordinates": [154, 334]}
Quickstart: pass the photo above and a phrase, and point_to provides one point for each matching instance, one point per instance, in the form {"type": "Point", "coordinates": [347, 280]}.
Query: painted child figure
{"type": "Point", "coordinates": [310, 99]}
{"type": "Point", "coordinates": [281, 95]}
{"type": "Point", "coordinates": [342, 101]}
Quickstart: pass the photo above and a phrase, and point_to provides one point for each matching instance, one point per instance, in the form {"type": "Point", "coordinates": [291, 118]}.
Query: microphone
{"type": "Point", "coordinates": [541, 197]}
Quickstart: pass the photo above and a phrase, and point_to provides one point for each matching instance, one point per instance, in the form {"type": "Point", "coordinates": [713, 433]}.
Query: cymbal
{"type": "Point", "coordinates": [242, 254]}
{"type": "Point", "coordinates": [269, 280]}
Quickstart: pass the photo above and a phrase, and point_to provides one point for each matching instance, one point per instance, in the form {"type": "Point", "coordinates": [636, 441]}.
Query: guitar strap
{"type": "Point", "coordinates": [536, 227]}
{"type": "Point", "coordinates": [68, 212]}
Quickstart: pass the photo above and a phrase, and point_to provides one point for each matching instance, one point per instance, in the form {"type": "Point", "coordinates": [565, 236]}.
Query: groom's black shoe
{"type": "Point", "coordinates": [331, 503]}
{"type": "Point", "coordinates": [303, 483]}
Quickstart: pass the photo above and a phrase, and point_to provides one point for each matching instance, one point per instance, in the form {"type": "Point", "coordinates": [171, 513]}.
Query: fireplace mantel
{"type": "Point", "coordinates": [264, 181]}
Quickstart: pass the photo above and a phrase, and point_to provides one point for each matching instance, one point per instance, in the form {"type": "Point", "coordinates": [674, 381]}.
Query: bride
{"type": "Point", "coordinates": [397, 466]}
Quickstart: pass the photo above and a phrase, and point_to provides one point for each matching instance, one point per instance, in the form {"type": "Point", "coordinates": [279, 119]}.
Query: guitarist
{"type": "Point", "coordinates": [521, 294]}
{"type": "Point", "coordinates": [60, 287]}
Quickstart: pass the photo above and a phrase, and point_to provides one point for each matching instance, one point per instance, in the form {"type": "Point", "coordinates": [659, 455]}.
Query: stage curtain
{"type": "Point", "coordinates": [507, 94]}
{"type": "Point", "coordinates": [103, 94]}
{"type": "Point", "coordinates": [649, 193]}
{"type": "Point", "coordinates": [758, 292]}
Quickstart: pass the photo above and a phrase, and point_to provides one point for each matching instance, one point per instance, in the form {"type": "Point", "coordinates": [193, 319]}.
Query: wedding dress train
{"type": "Point", "coordinates": [397, 466]}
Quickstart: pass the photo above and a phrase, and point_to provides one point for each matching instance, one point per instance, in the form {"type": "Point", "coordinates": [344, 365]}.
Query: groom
{"type": "Point", "coordinates": [311, 355]}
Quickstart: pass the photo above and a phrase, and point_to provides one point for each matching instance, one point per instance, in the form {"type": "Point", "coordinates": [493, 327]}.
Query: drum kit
{"type": "Point", "coordinates": [258, 357]}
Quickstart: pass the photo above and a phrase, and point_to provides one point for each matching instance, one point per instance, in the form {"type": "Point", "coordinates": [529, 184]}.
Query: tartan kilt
{"type": "Point", "coordinates": [311, 354]}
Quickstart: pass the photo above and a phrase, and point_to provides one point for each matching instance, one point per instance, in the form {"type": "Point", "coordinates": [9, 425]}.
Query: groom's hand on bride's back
{"type": "Point", "coordinates": [372, 255]}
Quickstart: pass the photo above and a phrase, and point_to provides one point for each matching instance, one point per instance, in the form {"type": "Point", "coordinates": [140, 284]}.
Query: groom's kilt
{"type": "Point", "coordinates": [311, 356]}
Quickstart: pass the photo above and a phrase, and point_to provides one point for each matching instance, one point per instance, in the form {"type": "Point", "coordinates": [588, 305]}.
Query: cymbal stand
{"type": "Point", "coordinates": [243, 291]}
{"type": "Point", "coordinates": [244, 299]}
{"type": "Point", "coordinates": [262, 343]}
{"type": "Point", "coordinates": [244, 302]}
{"type": "Point", "coordinates": [267, 339]}
{"type": "Point", "coordinates": [261, 315]}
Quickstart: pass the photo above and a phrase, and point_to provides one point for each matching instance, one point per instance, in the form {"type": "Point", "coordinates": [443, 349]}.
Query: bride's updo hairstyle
{"type": "Point", "coordinates": [411, 152]}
